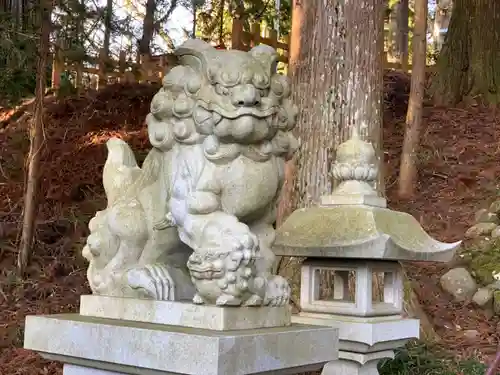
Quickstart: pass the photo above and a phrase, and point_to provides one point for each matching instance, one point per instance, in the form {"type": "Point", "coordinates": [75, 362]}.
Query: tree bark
{"type": "Point", "coordinates": [468, 66]}
{"type": "Point", "coordinates": [147, 28]}
{"type": "Point", "coordinates": [338, 78]}
{"type": "Point", "coordinates": [441, 21]}
{"type": "Point", "coordinates": [150, 25]}
{"type": "Point", "coordinates": [287, 201]}
{"type": "Point", "coordinates": [392, 39]}
{"type": "Point", "coordinates": [108, 16]}
{"type": "Point", "coordinates": [408, 168]}
{"type": "Point", "coordinates": [36, 144]}
{"type": "Point", "coordinates": [403, 29]}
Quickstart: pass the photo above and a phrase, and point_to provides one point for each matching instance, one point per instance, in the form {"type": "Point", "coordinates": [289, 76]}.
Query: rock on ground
{"type": "Point", "coordinates": [495, 233]}
{"type": "Point", "coordinates": [459, 283]}
{"type": "Point", "coordinates": [496, 301]}
{"type": "Point", "coordinates": [483, 297]}
{"type": "Point", "coordinates": [480, 229]}
{"type": "Point", "coordinates": [484, 216]}
{"type": "Point", "coordinates": [495, 207]}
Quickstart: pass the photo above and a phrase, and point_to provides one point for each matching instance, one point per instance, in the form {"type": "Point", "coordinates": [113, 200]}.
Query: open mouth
{"type": "Point", "coordinates": [203, 275]}
{"type": "Point", "coordinates": [239, 112]}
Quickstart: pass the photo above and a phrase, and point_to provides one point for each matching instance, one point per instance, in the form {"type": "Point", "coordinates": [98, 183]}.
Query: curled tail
{"type": "Point", "coordinates": [120, 170]}
{"type": "Point", "coordinates": [122, 177]}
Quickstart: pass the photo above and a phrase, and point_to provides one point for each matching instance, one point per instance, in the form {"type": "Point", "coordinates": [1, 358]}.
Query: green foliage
{"type": "Point", "coordinates": [261, 10]}
{"type": "Point", "coordinates": [419, 359]}
{"type": "Point", "coordinates": [18, 52]}
{"type": "Point", "coordinates": [483, 256]}
{"type": "Point", "coordinates": [66, 87]}
{"type": "Point", "coordinates": [214, 23]}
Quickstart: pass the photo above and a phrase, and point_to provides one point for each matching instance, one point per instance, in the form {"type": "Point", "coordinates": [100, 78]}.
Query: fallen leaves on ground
{"type": "Point", "coordinates": [458, 165]}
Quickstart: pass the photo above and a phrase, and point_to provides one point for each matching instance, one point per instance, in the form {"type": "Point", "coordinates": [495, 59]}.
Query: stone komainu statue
{"type": "Point", "coordinates": [196, 221]}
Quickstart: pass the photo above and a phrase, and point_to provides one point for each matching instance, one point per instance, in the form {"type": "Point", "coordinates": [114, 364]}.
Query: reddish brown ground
{"type": "Point", "coordinates": [458, 165]}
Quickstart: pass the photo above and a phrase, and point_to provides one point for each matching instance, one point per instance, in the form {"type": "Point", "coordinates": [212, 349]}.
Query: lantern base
{"type": "Point", "coordinates": [365, 335]}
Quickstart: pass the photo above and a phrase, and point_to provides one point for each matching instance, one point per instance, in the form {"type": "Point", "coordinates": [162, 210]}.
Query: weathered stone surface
{"type": "Point", "coordinates": [484, 216]}
{"type": "Point", "coordinates": [141, 245]}
{"type": "Point", "coordinates": [185, 314]}
{"type": "Point", "coordinates": [459, 283]}
{"type": "Point", "coordinates": [358, 232]}
{"type": "Point", "coordinates": [483, 297]}
{"type": "Point", "coordinates": [479, 214]}
{"type": "Point", "coordinates": [495, 233]}
{"type": "Point", "coordinates": [364, 334]}
{"type": "Point", "coordinates": [142, 348]}
{"type": "Point", "coordinates": [495, 207]}
{"type": "Point", "coordinates": [496, 301]}
{"type": "Point", "coordinates": [353, 221]}
{"type": "Point", "coordinates": [480, 229]}
{"type": "Point", "coordinates": [494, 285]}
{"type": "Point", "coordinates": [80, 370]}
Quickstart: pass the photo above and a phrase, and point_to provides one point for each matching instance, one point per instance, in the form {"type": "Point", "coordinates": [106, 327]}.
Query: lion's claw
{"type": "Point", "coordinates": [227, 300]}
{"type": "Point", "coordinates": [153, 280]}
{"type": "Point", "coordinates": [278, 292]}
{"type": "Point", "coordinates": [254, 300]}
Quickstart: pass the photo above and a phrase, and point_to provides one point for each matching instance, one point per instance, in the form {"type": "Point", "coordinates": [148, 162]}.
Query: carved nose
{"type": "Point", "coordinates": [246, 96]}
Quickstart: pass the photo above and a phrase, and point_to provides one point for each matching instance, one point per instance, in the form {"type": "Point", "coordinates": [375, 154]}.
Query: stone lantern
{"type": "Point", "coordinates": [351, 278]}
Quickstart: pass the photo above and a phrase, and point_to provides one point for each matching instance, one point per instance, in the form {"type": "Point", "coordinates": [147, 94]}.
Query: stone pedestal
{"type": "Point", "coordinates": [184, 314]}
{"type": "Point", "coordinates": [99, 341]}
{"type": "Point", "coordinates": [356, 364]}
{"type": "Point", "coordinates": [193, 223]}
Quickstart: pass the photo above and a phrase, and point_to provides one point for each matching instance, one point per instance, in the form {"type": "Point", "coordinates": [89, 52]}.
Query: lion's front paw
{"type": "Point", "coordinates": [226, 234]}
{"type": "Point", "coordinates": [254, 300]}
{"type": "Point", "coordinates": [152, 280]}
{"type": "Point", "coordinates": [227, 300]}
{"type": "Point", "coordinates": [278, 291]}
{"type": "Point", "coordinates": [244, 245]}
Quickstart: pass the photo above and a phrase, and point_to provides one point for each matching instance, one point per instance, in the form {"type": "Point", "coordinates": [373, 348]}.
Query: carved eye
{"type": "Point", "coordinates": [279, 86]}
{"type": "Point", "coordinates": [221, 90]}
{"type": "Point", "coordinates": [260, 80]}
{"type": "Point", "coordinates": [193, 85]}
{"type": "Point", "coordinates": [263, 93]}
{"type": "Point", "coordinates": [230, 78]}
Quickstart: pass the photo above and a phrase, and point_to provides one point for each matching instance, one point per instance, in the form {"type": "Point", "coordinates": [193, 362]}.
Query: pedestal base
{"type": "Point", "coordinates": [355, 363]}
{"type": "Point", "coordinates": [79, 370]}
{"type": "Point", "coordinates": [97, 346]}
{"type": "Point", "coordinates": [363, 341]}
{"type": "Point", "coordinates": [185, 314]}
{"type": "Point", "coordinates": [365, 335]}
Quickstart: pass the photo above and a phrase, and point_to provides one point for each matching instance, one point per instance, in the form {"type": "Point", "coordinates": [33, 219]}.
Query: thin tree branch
{"type": "Point", "coordinates": [167, 15]}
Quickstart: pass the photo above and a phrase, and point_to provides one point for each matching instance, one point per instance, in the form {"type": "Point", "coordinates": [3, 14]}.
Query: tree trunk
{"type": "Point", "coordinates": [337, 85]}
{"type": "Point", "coordinates": [441, 22]}
{"type": "Point", "coordinates": [107, 26]}
{"type": "Point", "coordinates": [36, 144]}
{"type": "Point", "coordinates": [287, 201]}
{"type": "Point", "coordinates": [393, 42]}
{"type": "Point", "coordinates": [469, 64]}
{"type": "Point", "coordinates": [408, 169]}
{"type": "Point", "coordinates": [147, 28]}
{"type": "Point", "coordinates": [403, 29]}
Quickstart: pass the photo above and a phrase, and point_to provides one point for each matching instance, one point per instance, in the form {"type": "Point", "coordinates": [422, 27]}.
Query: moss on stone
{"type": "Point", "coordinates": [496, 301]}
{"type": "Point", "coordinates": [484, 259]}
